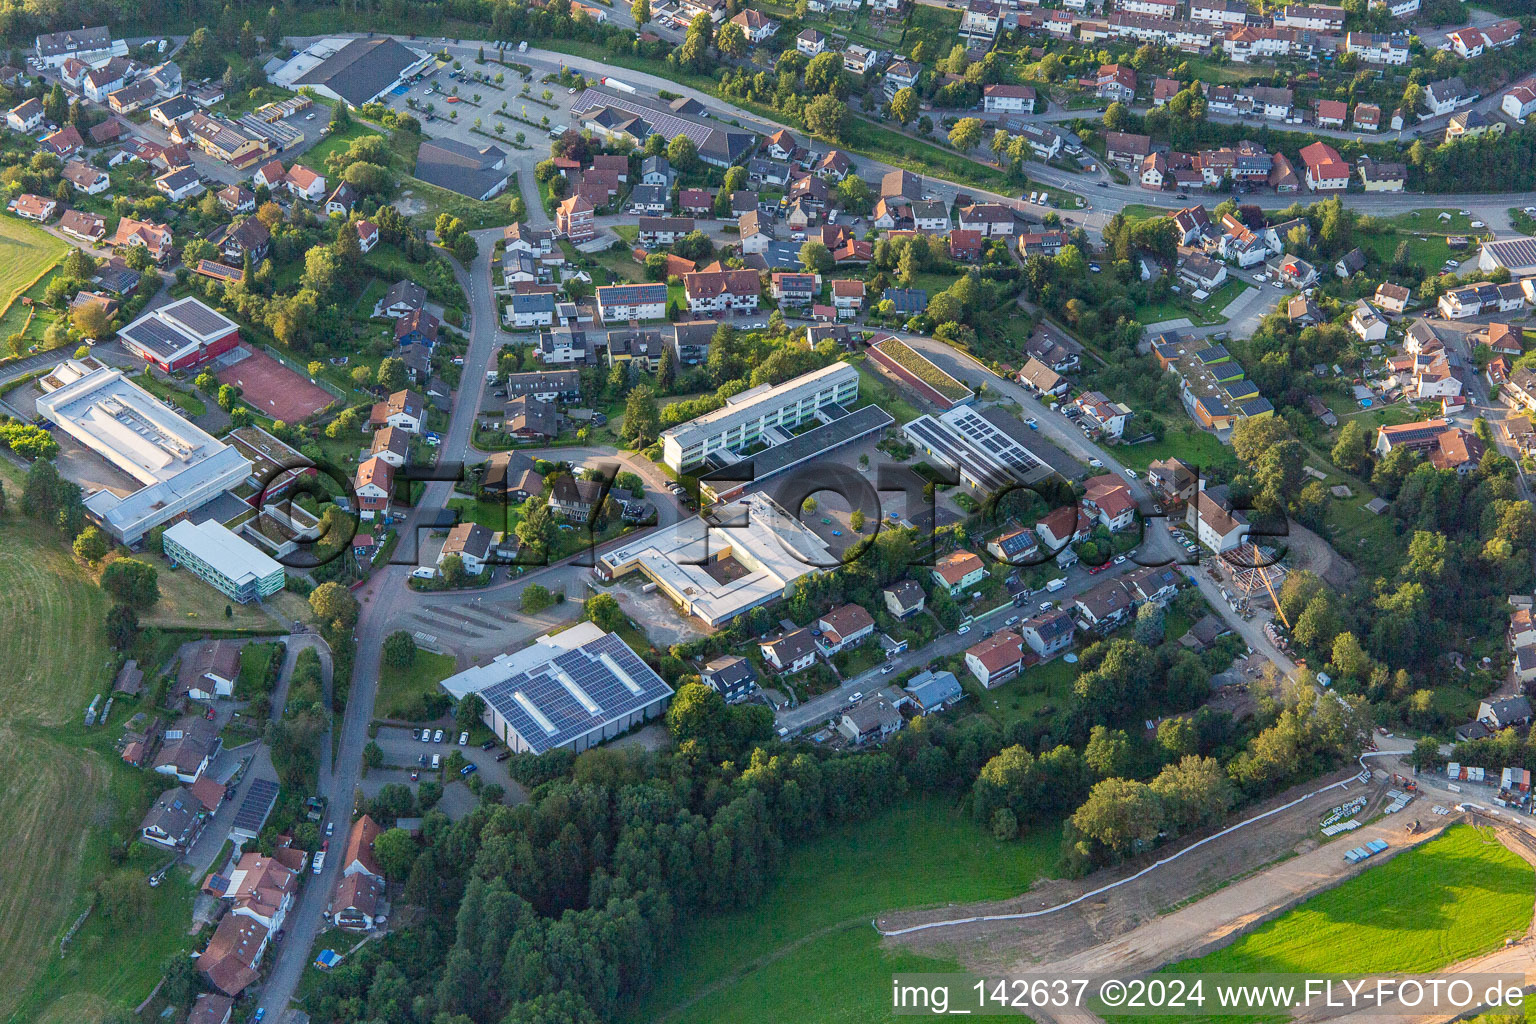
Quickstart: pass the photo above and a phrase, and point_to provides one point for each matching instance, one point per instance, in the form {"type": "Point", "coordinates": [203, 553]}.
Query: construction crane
{"type": "Point", "coordinates": [1264, 575]}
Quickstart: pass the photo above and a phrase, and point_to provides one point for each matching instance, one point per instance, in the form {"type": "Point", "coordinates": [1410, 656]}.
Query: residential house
{"type": "Point", "coordinates": [904, 598]}
{"type": "Point", "coordinates": [1107, 499]}
{"type": "Point", "coordinates": [1116, 82]}
{"type": "Point", "coordinates": [1015, 544]}
{"type": "Point", "coordinates": [404, 409]}
{"type": "Point", "coordinates": [1062, 527]}
{"type": "Point", "coordinates": [87, 227]}
{"type": "Point", "coordinates": [249, 237]}
{"type": "Point", "coordinates": [575, 499]}
{"type": "Point", "coordinates": [1218, 524]}
{"type": "Point", "coordinates": [792, 652]}
{"type": "Point", "coordinates": [1172, 478]}
{"type": "Point", "coordinates": [619, 303]}
{"type": "Point", "coordinates": [35, 208]}
{"type": "Point", "coordinates": [1326, 170]}
{"type": "Point", "coordinates": [870, 721]}
{"type": "Point", "coordinates": [174, 820]}
{"type": "Point", "coordinates": [26, 116]}
{"type": "Point", "coordinates": [1446, 95]}
{"type": "Point", "coordinates": [991, 220]}
{"type": "Point", "coordinates": [401, 298]}
{"type": "Point", "coordinates": [848, 297]}
{"type": "Point", "coordinates": [472, 543]}
{"type": "Point", "coordinates": [1008, 99]}
{"type": "Point", "coordinates": [231, 959]}
{"type": "Point", "coordinates": [1392, 298]}
{"type": "Point", "coordinates": [843, 628]}
{"type": "Point", "coordinates": [1049, 633]}
{"type": "Point", "coordinates": [574, 220]}
{"type": "Point", "coordinates": [730, 676]}
{"type": "Point", "coordinates": [722, 291]}
{"type": "Point", "coordinates": [958, 570]}
{"type": "Point", "coordinates": [373, 483]}
{"type": "Point", "coordinates": [996, 659]}
{"type": "Point", "coordinates": [810, 42]}
{"type": "Point", "coordinates": [1103, 607]}
{"type": "Point", "coordinates": [190, 746]}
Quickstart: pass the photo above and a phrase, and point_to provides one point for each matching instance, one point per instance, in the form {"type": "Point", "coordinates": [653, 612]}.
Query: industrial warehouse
{"type": "Point", "coordinates": [574, 689]}
{"type": "Point", "coordinates": [178, 466]}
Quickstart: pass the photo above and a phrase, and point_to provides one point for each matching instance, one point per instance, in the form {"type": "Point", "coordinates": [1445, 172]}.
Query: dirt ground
{"type": "Point", "coordinates": [1138, 924]}
{"type": "Point", "coordinates": [1313, 553]}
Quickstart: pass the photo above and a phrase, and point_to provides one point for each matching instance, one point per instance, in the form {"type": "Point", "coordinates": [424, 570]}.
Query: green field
{"type": "Point", "coordinates": [399, 688]}
{"type": "Point", "coordinates": [26, 253]}
{"type": "Point", "coordinates": [1454, 897]}
{"type": "Point", "coordinates": [807, 953]}
{"type": "Point", "coordinates": [66, 794]}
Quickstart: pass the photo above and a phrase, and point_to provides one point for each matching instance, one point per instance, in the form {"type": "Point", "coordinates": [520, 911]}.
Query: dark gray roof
{"type": "Point", "coordinates": [533, 302]}
{"type": "Point", "coordinates": [258, 803]}
{"type": "Point", "coordinates": [716, 142]}
{"type": "Point", "coordinates": [808, 445]}
{"type": "Point", "coordinates": [362, 69]}
{"type": "Point", "coordinates": [461, 168]}
{"type": "Point", "coordinates": [589, 667]}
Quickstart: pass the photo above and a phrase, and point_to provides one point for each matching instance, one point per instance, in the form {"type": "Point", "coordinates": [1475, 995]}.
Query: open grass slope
{"type": "Point", "coordinates": [1454, 897]}
{"type": "Point", "coordinates": [807, 953]}
{"type": "Point", "coordinates": [64, 790]}
{"type": "Point", "coordinates": [26, 253]}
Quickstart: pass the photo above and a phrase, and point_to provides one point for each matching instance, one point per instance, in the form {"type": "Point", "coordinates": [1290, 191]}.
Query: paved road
{"type": "Point", "coordinates": [339, 783]}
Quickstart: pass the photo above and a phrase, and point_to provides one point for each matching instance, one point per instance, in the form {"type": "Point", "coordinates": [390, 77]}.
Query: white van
{"type": "Point", "coordinates": [437, 761]}
{"type": "Point", "coordinates": [1055, 585]}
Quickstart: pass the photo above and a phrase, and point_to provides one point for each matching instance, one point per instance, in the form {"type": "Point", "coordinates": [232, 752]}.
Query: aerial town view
{"type": "Point", "coordinates": [767, 511]}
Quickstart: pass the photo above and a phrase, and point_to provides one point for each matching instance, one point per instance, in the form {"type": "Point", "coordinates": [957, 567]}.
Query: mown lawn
{"type": "Point", "coordinates": [807, 953]}
{"type": "Point", "coordinates": [399, 688]}
{"type": "Point", "coordinates": [26, 253]}
{"type": "Point", "coordinates": [1456, 896]}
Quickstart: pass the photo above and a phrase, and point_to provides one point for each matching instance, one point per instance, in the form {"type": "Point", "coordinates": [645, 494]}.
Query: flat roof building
{"type": "Point", "coordinates": [218, 557]}
{"type": "Point", "coordinates": [837, 429]}
{"type": "Point", "coordinates": [574, 690]}
{"type": "Point", "coordinates": [357, 71]}
{"type": "Point", "coordinates": [747, 417]}
{"type": "Point", "coordinates": [180, 466]}
{"type": "Point", "coordinates": [972, 443]}
{"type": "Point", "coordinates": [717, 567]}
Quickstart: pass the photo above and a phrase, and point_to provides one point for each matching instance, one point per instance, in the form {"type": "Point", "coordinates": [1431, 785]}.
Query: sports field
{"type": "Point", "coordinates": [26, 253]}
{"type": "Point", "coordinates": [807, 953]}
{"type": "Point", "coordinates": [65, 793]}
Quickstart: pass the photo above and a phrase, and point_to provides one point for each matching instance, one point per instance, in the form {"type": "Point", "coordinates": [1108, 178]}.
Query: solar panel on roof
{"type": "Point", "coordinates": [157, 336]}
{"type": "Point", "coordinates": [256, 805]}
{"type": "Point", "coordinates": [195, 316]}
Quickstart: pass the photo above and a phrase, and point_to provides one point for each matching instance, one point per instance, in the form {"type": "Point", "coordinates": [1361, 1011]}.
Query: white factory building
{"type": "Point", "coordinates": [573, 689]}
{"type": "Point", "coordinates": [179, 467]}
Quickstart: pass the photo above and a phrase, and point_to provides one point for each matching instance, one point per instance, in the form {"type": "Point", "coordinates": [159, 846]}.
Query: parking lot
{"type": "Point", "coordinates": [449, 114]}
{"type": "Point", "coordinates": [405, 753]}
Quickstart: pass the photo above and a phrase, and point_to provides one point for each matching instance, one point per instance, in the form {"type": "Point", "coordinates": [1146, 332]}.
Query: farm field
{"type": "Point", "coordinates": [807, 953]}
{"type": "Point", "coordinates": [66, 795]}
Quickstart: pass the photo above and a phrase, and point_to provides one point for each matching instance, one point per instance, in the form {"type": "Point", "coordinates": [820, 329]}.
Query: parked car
{"type": "Point", "coordinates": [463, 738]}
{"type": "Point", "coordinates": [469, 769]}
{"type": "Point", "coordinates": [437, 737]}
{"type": "Point", "coordinates": [963, 630]}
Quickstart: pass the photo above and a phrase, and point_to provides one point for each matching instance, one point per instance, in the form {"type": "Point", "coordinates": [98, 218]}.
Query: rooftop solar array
{"type": "Point", "coordinates": [1518, 254]}
{"type": "Point", "coordinates": [975, 447]}
{"type": "Point", "coordinates": [257, 804]}
{"type": "Point", "coordinates": [575, 692]}
{"type": "Point", "coordinates": [155, 335]}
{"type": "Point", "coordinates": [195, 316]}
